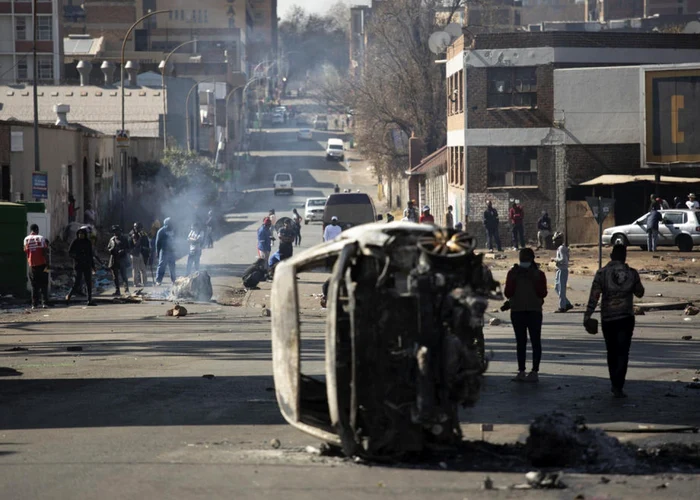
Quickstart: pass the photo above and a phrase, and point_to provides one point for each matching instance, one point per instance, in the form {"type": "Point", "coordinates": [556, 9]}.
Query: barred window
{"type": "Point", "coordinates": [512, 87]}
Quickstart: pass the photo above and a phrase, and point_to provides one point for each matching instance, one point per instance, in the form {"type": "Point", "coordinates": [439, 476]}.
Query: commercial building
{"type": "Point", "coordinates": [17, 40]}
{"type": "Point", "coordinates": [517, 131]}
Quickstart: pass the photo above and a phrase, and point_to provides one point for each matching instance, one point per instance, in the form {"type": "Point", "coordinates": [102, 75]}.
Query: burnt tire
{"type": "Point", "coordinates": [619, 239]}
{"type": "Point", "coordinates": [685, 243]}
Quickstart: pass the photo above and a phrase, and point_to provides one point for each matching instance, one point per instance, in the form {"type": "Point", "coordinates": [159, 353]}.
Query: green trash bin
{"type": "Point", "coordinates": [34, 207]}
{"type": "Point", "coordinates": [13, 227]}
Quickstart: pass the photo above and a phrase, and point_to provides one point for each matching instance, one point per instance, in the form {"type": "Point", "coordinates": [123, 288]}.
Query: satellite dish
{"type": "Point", "coordinates": [692, 27]}
{"type": "Point", "coordinates": [454, 29]}
{"type": "Point", "coordinates": [439, 41]}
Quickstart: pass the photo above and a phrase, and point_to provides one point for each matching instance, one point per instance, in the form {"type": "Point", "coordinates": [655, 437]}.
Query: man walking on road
{"type": "Point", "coordinates": [618, 284]}
{"type": "Point", "coordinates": [81, 252]}
{"type": "Point", "coordinates": [139, 248]}
{"type": "Point", "coordinates": [449, 218]}
{"type": "Point", "coordinates": [118, 249]}
{"type": "Point", "coordinates": [195, 240]}
{"type": "Point", "coordinates": [286, 235]}
{"type": "Point", "coordinates": [36, 247]}
{"type": "Point", "coordinates": [653, 220]}
{"type": "Point", "coordinates": [410, 213]}
{"type": "Point", "coordinates": [165, 250]}
{"type": "Point", "coordinates": [265, 240]}
{"type": "Point", "coordinates": [544, 230]}
{"type": "Point", "coordinates": [516, 215]}
{"type": "Point", "coordinates": [427, 217]}
{"type": "Point", "coordinates": [491, 226]}
{"type": "Point", "coordinates": [561, 277]}
{"type": "Point", "coordinates": [332, 230]}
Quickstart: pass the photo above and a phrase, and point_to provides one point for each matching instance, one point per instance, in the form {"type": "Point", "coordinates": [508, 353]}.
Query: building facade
{"type": "Point", "coordinates": [17, 40]}
{"type": "Point", "coordinates": [510, 140]}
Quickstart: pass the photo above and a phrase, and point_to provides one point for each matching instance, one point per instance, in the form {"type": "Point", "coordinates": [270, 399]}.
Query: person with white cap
{"type": "Point", "coordinates": [692, 203]}
{"type": "Point", "coordinates": [426, 217]}
{"type": "Point", "coordinates": [332, 230]}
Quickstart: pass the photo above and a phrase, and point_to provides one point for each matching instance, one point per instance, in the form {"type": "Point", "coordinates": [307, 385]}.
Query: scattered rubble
{"type": "Point", "coordinates": [494, 322]}
{"type": "Point", "coordinates": [196, 286]}
{"type": "Point", "coordinates": [558, 440]}
{"type": "Point", "coordinates": [687, 337]}
{"type": "Point", "coordinates": [177, 311]}
{"type": "Point", "coordinates": [691, 310]}
{"type": "Point", "coordinates": [275, 443]}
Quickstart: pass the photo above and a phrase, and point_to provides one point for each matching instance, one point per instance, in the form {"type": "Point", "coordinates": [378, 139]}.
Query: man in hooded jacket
{"type": "Point", "coordinates": [81, 252]}
{"type": "Point", "coordinates": [165, 249]}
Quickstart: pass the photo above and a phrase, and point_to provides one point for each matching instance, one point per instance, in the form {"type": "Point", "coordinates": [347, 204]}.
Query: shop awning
{"type": "Point", "coordinates": [613, 180]}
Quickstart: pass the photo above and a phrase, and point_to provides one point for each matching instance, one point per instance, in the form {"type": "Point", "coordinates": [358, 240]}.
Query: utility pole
{"type": "Point", "coordinates": [35, 22]}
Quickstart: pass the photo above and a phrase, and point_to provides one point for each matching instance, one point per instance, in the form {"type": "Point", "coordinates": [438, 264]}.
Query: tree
{"type": "Point", "coordinates": [195, 175]}
{"type": "Point", "coordinates": [312, 40]}
{"type": "Point", "coordinates": [401, 91]}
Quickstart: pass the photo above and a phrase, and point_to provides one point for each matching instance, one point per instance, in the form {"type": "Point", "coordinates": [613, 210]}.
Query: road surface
{"type": "Point", "coordinates": [131, 415]}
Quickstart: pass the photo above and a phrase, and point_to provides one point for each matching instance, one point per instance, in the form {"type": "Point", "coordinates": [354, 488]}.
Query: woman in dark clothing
{"type": "Point", "coordinates": [526, 288]}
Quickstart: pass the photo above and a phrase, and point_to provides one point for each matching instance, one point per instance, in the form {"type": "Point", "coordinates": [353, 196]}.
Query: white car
{"type": "Point", "coordinates": [679, 228]}
{"type": "Point", "coordinates": [313, 210]}
{"type": "Point", "coordinates": [277, 119]}
{"type": "Point", "coordinates": [305, 134]}
{"type": "Point", "coordinates": [283, 183]}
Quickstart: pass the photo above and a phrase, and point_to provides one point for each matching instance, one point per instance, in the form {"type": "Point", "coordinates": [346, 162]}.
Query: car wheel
{"type": "Point", "coordinates": [619, 239]}
{"type": "Point", "coordinates": [685, 243]}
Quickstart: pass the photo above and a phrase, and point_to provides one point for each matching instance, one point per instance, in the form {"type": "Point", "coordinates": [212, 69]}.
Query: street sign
{"type": "Point", "coordinates": [122, 139]}
{"type": "Point", "coordinates": [40, 185]}
{"type": "Point", "coordinates": [601, 207]}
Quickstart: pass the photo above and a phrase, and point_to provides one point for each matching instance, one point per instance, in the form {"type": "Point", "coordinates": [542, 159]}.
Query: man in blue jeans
{"type": "Point", "coordinates": [526, 288]}
{"type": "Point", "coordinates": [653, 220]}
{"type": "Point", "coordinates": [165, 249]}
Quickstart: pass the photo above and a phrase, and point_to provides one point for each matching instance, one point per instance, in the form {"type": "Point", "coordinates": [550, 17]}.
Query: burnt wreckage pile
{"type": "Point", "coordinates": [404, 339]}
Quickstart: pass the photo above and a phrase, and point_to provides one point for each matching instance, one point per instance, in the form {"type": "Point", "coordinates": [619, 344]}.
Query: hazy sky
{"type": "Point", "coordinates": [317, 6]}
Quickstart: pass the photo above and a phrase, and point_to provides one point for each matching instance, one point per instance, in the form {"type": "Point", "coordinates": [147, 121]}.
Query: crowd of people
{"type": "Point", "coordinates": [130, 256]}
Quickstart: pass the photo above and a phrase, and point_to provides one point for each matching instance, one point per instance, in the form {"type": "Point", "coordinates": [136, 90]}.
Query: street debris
{"type": "Point", "coordinates": [208, 376]}
{"type": "Point", "coordinates": [544, 480]}
{"type": "Point", "coordinates": [266, 312]}
{"type": "Point", "coordinates": [691, 311]}
{"type": "Point", "coordinates": [687, 337]}
{"type": "Point", "coordinates": [494, 322]}
{"type": "Point", "coordinates": [177, 311]}
{"type": "Point", "coordinates": [488, 483]}
{"type": "Point", "coordinates": [558, 440]}
{"type": "Point", "coordinates": [404, 340]}
{"type": "Point", "coordinates": [275, 443]}
{"type": "Point", "coordinates": [16, 349]}
{"type": "Point", "coordinates": [196, 286]}
{"type": "Point", "coordinates": [74, 348]}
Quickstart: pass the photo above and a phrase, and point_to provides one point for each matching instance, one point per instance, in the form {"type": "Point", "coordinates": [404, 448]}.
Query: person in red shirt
{"type": "Point", "coordinates": [426, 217]}
{"type": "Point", "coordinates": [526, 288]}
{"type": "Point", "coordinates": [36, 248]}
{"type": "Point", "coordinates": [72, 209]}
{"type": "Point", "coordinates": [516, 215]}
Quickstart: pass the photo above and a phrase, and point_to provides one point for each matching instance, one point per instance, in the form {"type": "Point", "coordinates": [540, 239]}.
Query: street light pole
{"type": "Point", "coordinates": [164, 64]}
{"type": "Point", "coordinates": [123, 154]}
{"type": "Point", "coordinates": [37, 162]}
{"type": "Point", "coordinates": [187, 109]}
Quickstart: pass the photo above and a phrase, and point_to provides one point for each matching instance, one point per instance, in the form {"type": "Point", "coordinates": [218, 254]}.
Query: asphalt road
{"type": "Point", "coordinates": [131, 415]}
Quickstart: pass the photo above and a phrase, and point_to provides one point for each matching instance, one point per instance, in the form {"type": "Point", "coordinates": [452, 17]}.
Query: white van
{"type": "Point", "coordinates": [283, 182]}
{"type": "Point", "coordinates": [335, 150]}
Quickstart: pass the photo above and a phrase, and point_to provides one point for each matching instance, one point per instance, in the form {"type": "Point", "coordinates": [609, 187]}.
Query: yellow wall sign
{"type": "Point", "coordinates": [672, 111]}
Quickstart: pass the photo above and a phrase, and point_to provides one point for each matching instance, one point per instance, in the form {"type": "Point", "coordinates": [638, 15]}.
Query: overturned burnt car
{"type": "Point", "coordinates": [403, 340]}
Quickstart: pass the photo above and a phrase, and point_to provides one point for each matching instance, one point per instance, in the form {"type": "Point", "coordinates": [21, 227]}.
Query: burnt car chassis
{"type": "Point", "coordinates": [403, 343]}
